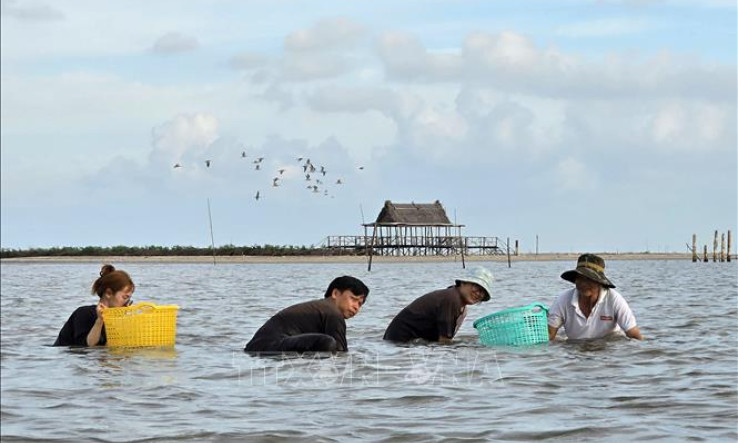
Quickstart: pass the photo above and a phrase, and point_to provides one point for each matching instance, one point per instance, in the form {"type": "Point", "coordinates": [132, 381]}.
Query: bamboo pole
{"type": "Point", "coordinates": [694, 248]}
{"type": "Point", "coordinates": [508, 253]}
{"type": "Point", "coordinates": [722, 247]}
{"type": "Point", "coordinates": [212, 239]}
{"type": "Point", "coordinates": [714, 247]}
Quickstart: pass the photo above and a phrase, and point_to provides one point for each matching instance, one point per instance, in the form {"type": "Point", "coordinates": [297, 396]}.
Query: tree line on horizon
{"type": "Point", "coordinates": [165, 251]}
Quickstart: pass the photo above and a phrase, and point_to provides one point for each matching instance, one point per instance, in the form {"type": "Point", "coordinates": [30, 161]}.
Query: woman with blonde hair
{"type": "Point", "coordinates": [85, 327]}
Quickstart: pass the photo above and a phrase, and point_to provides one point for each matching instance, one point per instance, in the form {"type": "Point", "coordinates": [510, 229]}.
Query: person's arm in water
{"type": "Point", "coordinates": [556, 316]}
{"type": "Point", "coordinates": [633, 332]}
{"type": "Point", "coordinates": [93, 337]}
{"type": "Point", "coordinates": [626, 320]}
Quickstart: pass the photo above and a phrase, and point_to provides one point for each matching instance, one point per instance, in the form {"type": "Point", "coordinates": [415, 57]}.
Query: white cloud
{"type": "Point", "coordinates": [405, 58]}
{"type": "Point", "coordinates": [307, 67]}
{"type": "Point", "coordinates": [174, 42]}
{"type": "Point", "coordinates": [29, 11]}
{"type": "Point", "coordinates": [183, 139]}
{"type": "Point", "coordinates": [693, 126]}
{"type": "Point", "coordinates": [573, 175]}
{"type": "Point", "coordinates": [325, 35]}
{"type": "Point", "coordinates": [247, 61]}
{"type": "Point", "coordinates": [512, 62]}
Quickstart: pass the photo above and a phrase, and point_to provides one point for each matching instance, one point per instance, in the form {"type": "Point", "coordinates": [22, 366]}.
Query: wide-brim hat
{"type": "Point", "coordinates": [590, 266]}
{"type": "Point", "coordinates": [480, 276]}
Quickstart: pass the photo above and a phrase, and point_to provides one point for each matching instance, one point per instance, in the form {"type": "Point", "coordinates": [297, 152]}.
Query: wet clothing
{"type": "Point", "coordinates": [611, 314]}
{"type": "Point", "coordinates": [75, 330]}
{"type": "Point", "coordinates": [438, 313]}
{"type": "Point", "coordinates": [314, 326]}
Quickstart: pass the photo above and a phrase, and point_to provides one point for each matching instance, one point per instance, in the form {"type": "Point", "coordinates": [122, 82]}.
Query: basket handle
{"type": "Point", "coordinates": [142, 306]}
{"type": "Point", "coordinates": [538, 305]}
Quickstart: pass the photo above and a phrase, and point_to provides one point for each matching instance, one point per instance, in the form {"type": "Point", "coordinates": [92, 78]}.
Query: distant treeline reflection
{"type": "Point", "coordinates": [164, 251]}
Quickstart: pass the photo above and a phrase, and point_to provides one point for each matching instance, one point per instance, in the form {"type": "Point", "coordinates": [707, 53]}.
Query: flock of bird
{"type": "Point", "coordinates": [314, 176]}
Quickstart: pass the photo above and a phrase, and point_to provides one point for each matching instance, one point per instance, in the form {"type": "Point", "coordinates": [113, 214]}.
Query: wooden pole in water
{"type": "Point", "coordinates": [212, 240]}
{"type": "Point", "coordinates": [704, 255]}
{"type": "Point", "coordinates": [729, 245]}
{"type": "Point", "coordinates": [694, 248]}
{"type": "Point", "coordinates": [508, 253]}
{"type": "Point", "coordinates": [463, 245]}
{"type": "Point", "coordinates": [722, 247]}
{"type": "Point", "coordinates": [371, 247]}
{"type": "Point", "coordinates": [714, 247]}
{"type": "Point", "coordinates": [516, 248]}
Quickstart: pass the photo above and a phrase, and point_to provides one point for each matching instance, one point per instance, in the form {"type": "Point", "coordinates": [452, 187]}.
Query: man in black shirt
{"type": "Point", "coordinates": [313, 326]}
{"type": "Point", "coordinates": [437, 316]}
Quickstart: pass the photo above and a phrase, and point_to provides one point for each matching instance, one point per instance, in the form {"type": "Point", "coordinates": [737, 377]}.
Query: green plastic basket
{"type": "Point", "coordinates": [515, 326]}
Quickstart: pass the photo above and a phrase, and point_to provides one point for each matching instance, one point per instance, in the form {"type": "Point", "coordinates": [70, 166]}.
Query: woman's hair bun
{"type": "Point", "coordinates": [106, 269]}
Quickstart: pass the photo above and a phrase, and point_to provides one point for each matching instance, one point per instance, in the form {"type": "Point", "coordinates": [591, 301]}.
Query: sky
{"type": "Point", "coordinates": [597, 125]}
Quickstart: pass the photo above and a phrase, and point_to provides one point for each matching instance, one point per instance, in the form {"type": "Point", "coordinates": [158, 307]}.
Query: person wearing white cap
{"type": "Point", "coordinates": [593, 308]}
{"type": "Point", "coordinates": [437, 316]}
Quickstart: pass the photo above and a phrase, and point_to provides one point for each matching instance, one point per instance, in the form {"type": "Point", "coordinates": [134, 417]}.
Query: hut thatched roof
{"type": "Point", "coordinates": [417, 214]}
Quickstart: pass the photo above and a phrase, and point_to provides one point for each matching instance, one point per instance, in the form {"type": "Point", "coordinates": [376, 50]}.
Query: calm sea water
{"type": "Point", "coordinates": [679, 384]}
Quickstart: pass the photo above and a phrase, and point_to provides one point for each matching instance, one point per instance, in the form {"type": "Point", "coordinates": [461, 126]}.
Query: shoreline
{"type": "Point", "coordinates": [564, 256]}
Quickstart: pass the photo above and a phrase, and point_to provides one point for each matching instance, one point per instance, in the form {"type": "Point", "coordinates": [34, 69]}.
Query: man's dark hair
{"type": "Point", "coordinates": [353, 284]}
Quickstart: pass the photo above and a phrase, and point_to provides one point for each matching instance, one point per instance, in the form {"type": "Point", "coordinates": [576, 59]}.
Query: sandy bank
{"type": "Point", "coordinates": [344, 259]}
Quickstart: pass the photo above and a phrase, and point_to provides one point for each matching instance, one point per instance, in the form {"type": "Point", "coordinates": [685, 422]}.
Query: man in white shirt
{"type": "Point", "coordinates": [593, 309]}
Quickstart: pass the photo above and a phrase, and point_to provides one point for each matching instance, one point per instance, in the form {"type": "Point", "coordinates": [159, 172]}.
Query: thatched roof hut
{"type": "Point", "coordinates": [412, 214]}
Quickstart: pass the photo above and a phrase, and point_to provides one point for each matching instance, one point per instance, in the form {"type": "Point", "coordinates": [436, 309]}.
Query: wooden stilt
{"type": "Point", "coordinates": [714, 247]}
{"type": "Point", "coordinates": [722, 247]}
{"type": "Point", "coordinates": [371, 247]}
{"type": "Point", "coordinates": [704, 256]}
{"type": "Point", "coordinates": [729, 245]}
{"type": "Point", "coordinates": [694, 248]}
{"type": "Point", "coordinates": [463, 247]}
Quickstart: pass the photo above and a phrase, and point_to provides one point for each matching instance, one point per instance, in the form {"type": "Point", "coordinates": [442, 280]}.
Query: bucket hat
{"type": "Point", "coordinates": [480, 276]}
{"type": "Point", "coordinates": [590, 266]}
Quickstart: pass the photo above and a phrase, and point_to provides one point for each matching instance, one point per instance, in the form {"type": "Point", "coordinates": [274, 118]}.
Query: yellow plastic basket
{"type": "Point", "coordinates": [142, 324]}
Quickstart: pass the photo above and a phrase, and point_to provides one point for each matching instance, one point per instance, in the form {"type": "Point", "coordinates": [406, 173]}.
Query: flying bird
{"type": "Point", "coordinates": [243, 154]}
{"type": "Point", "coordinates": [257, 196]}
{"type": "Point", "coordinates": [339, 182]}
{"type": "Point", "coordinates": [257, 167]}
{"type": "Point", "coordinates": [361, 168]}
{"type": "Point", "coordinates": [177, 165]}
{"type": "Point", "coordinates": [322, 171]}
{"type": "Point", "coordinates": [207, 163]}
{"type": "Point", "coordinates": [274, 182]}
{"type": "Point", "coordinates": [281, 171]}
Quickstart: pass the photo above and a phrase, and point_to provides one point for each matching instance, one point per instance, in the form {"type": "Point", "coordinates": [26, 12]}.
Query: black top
{"type": "Point", "coordinates": [317, 316]}
{"type": "Point", "coordinates": [428, 317]}
{"type": "Point", "coordinates": [75, 330]}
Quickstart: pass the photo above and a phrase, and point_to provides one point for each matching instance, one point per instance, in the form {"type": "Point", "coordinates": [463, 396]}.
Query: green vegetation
{"type": "Point", "coordinates": [165, 251]}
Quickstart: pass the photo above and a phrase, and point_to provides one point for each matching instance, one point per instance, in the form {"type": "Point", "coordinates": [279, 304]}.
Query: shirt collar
{"type": "Point", "coordinates": [575, 298]}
